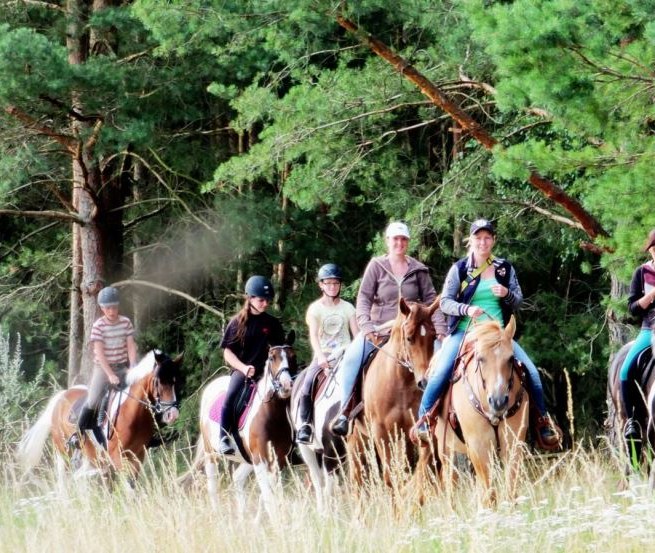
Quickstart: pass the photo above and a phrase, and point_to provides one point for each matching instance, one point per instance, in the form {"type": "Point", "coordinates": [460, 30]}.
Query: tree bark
{"type": "Point", "coordinates": [590, 224]}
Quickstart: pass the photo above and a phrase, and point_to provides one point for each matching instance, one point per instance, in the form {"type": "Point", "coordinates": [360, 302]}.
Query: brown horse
{"type": "Point", "coordinates": [391, 393]}
{"type": "Point", "coordinates": [265, 436]}
{"type": "Point", "coordinates": [490, 405]}
{"type": "Point", "coordinates": [148, 399]}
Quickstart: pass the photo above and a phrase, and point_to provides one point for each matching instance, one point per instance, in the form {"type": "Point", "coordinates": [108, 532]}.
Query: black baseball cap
{"type": "Point", "coordinates": [482, 224]}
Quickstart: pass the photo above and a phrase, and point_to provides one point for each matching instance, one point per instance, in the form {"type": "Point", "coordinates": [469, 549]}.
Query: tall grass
{"type": "Point", "coordinates": [565, 503]}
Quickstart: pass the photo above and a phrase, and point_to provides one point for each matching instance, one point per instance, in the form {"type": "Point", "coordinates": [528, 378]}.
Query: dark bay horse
{"type": "Point", "coordinates": [391, 393]}
{"type": "Point", "coordinates": [490, 404]}
{"type": "Point", "coordinates": [644, 398]}
{"type": "Point", "coordinates": [148, 398]}
{"type": "Point", "coordinates": [265, 434]}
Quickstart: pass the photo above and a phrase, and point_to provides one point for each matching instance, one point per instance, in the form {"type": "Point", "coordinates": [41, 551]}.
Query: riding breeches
{"type": "Point", "coordinates": [234, 389]}
{"type": "Point", "coordinates": [641, 343]}
{"type": "Point", "coordinates": [99, 383]}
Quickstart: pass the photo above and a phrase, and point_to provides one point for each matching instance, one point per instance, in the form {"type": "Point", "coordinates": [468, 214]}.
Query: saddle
{"type": "Point", "coordinates": [241, 406]}
{"type": "Point", "coordinates": [356, 403]}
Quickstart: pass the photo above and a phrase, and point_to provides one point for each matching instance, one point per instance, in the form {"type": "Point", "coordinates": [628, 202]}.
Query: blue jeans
{"type": "Point", "coordinates": [641, 343]}
{"type": "Point", "coordinates": [351, 364]}
{"type": "Point", "coordinates": [443, 370]}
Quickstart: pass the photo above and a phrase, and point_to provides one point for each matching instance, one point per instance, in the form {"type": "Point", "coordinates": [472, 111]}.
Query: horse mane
{"type": "Point", "coordinates": [142, 369]}
{"type": "Point", "coordinates": [488, 334]}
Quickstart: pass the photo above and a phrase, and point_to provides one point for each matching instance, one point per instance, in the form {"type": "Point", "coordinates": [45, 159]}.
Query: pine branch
{"type": "Point", "coordinates": [67, 141]}
{"type": "Point", "coordinates": [191, 299]}
{"type": "Point", "coordinates": [591, 225]}
{"type": "Point", "coordinates": [47, 214]}
{"type": "Point", "coordinates": [38, 3]}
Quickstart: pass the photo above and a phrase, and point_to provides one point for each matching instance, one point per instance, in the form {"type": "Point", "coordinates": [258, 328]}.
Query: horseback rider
{"type": "Point", "coordinates": [641, 304]}
{"type": "Point", "coordinates": [332, 324]}
{"type": "Point", "coordinates": [386, 279]}
{"type": "Point", "coordinates": [115, 351]}
{"type": "Point", "coordinates": [246, 341]}
{"type": "Point", "coordinates": [480, 285]}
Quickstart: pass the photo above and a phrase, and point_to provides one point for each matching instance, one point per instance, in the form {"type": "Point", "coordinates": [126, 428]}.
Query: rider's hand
{"type": "Point", "coordinates": [499, 290]}
{"type": "Point", "coordinates": [323, 362]}
{"type": "Point", "coordinates": [372, 337]}
{"type": "Point", "coordinates": [113, 379]}
{"type": "Point", "coordinates": [250, 371]}
{"type": "Point", "coordinates": [474, 312]}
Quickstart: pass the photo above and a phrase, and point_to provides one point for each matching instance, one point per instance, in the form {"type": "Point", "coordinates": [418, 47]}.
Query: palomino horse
{"type": "Point", "coordinates": [391, 393]}
{"type": "Point", "coordinates": [644, 398]}
{"type": "Point", "coordinates": [148, 398]}
{"type": "Point", "coordinates": [265, 435]}
{"type": "Point", "coordinates": [490, 405]}
{"type": "Point", "coordinates": [327, 452]}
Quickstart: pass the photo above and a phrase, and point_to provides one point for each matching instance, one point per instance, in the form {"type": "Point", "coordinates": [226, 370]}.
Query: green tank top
{"type": "Point", "coordinates": [485, 299]}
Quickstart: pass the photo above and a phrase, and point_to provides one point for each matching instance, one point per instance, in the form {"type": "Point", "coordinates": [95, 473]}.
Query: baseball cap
{"type": "Point", "coordinates": [397, 229]}
{"type": "Point", "coordinates": [482, 224]}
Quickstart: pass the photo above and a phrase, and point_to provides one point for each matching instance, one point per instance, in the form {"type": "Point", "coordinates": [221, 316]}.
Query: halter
{"type": "Point", "coordinates": [158, 407]}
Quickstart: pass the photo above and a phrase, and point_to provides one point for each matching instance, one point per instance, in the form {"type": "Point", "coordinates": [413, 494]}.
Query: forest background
{"type": "Point", "coordinates": [176, 147]}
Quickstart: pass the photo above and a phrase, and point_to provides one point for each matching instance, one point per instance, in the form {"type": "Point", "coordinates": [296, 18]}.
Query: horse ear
{"type": "Point", "coordinates": [434, 305]}
{"type": "Point", "coordinates": [159, 355]}
{"type": "Point", "coordinates": [178, 359]}
{"type": "Point", "coordinates": [403, 307]}
{"type": "Point", "coordinates": [291, 338]}
{"type": "Point", "coordinates": [510, 329]}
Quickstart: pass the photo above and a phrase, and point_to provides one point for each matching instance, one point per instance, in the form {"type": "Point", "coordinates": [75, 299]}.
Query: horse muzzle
{"type": "Point", "coordinates": [170, 415]}
{"type": "Point", "coordinates": [498, 404]}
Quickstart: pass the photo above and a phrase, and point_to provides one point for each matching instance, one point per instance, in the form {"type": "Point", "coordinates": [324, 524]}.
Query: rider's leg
{"type": "Point", "coordinates": [351, 364]}
{"type": "Point", "coordinates": [237, 380]}
{"type": "Point", "coordinates": [441, 372]}
{"type": "Point", "coordinates": [305, 433]}
{"type": "Point", "coordinates": [549, 435]}
{"type": "Point", "coordinates": [627, 383]}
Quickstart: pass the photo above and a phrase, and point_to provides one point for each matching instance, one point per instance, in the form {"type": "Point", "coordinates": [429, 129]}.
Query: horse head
{"type": "Point", "coordinates": [161, 391]}
{"type": "Point", "coordinates": [494, 363]}
{"type": "Point", "coordinates": [281, 364]}
{"type": "Point", "coordinates": [416, 332]}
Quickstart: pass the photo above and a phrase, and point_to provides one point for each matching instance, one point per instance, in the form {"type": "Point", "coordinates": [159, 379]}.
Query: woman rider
{"type": "Point", "coordinates": [385, 280]}
{"type": "Point", "coordinates": [481, 284]}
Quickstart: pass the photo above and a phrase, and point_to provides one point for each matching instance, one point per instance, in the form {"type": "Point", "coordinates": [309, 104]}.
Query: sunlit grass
{"type": "Point", "coordinates": [568, 502]}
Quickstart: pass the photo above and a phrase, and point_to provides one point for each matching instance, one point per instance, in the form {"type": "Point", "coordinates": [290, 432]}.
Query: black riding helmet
{"type": "Point", "coordinates": [329, 270]}
{"type": "Point", "coordinates": [260, 287]}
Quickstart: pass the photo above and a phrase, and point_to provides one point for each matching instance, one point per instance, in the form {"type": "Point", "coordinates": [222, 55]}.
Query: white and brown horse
{"type": "Point", "coordinates": [490, 405]}
{"type": "Point", "coordinates": [266, 437]}
{"type": "Point", "coordinates": [391, 392]}
{"type": "Point", "coordinates": [134, 414]}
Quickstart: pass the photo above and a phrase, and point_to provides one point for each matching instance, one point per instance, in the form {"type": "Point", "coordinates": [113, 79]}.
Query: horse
{"type": "Point", "coordinates": [489, 404]}
{"type": "Point", "coordinates": [644, 401]}
{"type": "Point", "coordinates": [327, 452]}
{"type": "Point", "coordinates": [148, 399]}
{"type": "Point", "coordinates": [391, 393]}
{"type": "Point", "coordinates": [265, 437]}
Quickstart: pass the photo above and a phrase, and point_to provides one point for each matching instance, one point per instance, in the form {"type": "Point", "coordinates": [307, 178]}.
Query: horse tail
{"type": "Point", "coordinates": [32, 443]}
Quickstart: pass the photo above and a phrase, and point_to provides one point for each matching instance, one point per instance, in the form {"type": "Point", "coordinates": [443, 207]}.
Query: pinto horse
{"type": "Point", "coordinates": [391, 393]}
{"type": "Point", "coordinates": [327, 452]}
{"type": "Point", "coordinates": [490, 407]}
{"type": "Point", "coordinates": [266, 437]}
{"type": "Point", "coordinates": [644, 402]}
{"type": "Point", "coordinates": [133, 417]}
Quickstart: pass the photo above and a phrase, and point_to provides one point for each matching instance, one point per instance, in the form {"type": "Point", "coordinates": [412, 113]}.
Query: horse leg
{"type": "Point", "coordinates": [211, 472]}
{"type": "Point", "coordinates": [481, 457]}
{"type": "Point", "coordinates": [239, 478]}
{"type": "Point", "coordinates": [264, 479]}
{"type": "Point", "coordinates": [315, 474]}
{"type": "Point", "coordinates": [357, 461]}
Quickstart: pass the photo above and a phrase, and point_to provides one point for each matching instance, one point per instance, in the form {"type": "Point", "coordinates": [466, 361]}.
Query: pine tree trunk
{"type": "Point", "coordinates": [76, 324]}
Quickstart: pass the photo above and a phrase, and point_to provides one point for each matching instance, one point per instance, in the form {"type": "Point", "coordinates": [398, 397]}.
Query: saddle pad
{"type": "Point", "coordinates": [217, 407]}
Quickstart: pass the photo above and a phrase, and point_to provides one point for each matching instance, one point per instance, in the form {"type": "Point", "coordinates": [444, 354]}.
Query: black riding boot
{"type": "Point", "coordinates": [86, 419]}
{"type": "Point", "coordinates": [305, 433]}
{"type": "Point", "coordinates": [632, 428]}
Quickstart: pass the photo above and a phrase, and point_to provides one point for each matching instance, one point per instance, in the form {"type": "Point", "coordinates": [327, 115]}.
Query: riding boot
{"type": "Point", "coordinates": [86, 419]}
{"type": "Point", "coordinates": [305, 433]}
{"type": "Point", "coordinates": [225, 446]}
{"type": "Point", "coordinates": [341, 423]}
{"type": "Point", "coordinates": [632, 429]}
{"type": "Point", "coordinates": [102, 410]}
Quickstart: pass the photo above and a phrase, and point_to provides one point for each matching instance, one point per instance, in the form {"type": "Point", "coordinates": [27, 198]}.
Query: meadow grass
{"type": "Point", "coordinates": [567, 502]}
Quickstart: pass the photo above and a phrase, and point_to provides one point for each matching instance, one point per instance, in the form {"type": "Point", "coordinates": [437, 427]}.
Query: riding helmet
{"type": "Point", "coordinates": [330, 270]}
{"type": "Point", "coordinates": [108, 296]}
{"type": "Point", "coordinates": [260, 287]}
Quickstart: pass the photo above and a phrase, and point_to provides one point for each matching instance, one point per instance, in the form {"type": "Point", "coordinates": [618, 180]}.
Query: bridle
{"type": "Point", "coordinates": [284, 367]}
{"type": "Point", "coordinates": [158, 407]}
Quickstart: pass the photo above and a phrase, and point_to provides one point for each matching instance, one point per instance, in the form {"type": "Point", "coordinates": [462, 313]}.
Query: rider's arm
{"type": "Point", "coordinates": [314, 339]}
{"type": "Point", "coordinates": [131, 351]}
{"type": "Point", "coordinates": [365, 297]}
{"type": "Point", "coordinates": [233, 361]}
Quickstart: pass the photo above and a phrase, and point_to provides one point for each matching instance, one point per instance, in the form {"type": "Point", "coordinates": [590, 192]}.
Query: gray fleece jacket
{"type": "Point", "coordinates": [380, 290]}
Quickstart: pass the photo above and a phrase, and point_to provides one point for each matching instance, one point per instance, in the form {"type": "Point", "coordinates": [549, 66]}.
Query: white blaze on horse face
{"type": "Point", "coordinates": [284, 376]}
{"type": "Point", "coordinates": [423, 331]}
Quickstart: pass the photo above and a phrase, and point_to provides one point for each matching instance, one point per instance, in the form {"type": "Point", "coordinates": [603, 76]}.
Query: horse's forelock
{"type": "Point", "coordinates": [167, 370]}
{"type": "Point", "coordinates": [488, 335]}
